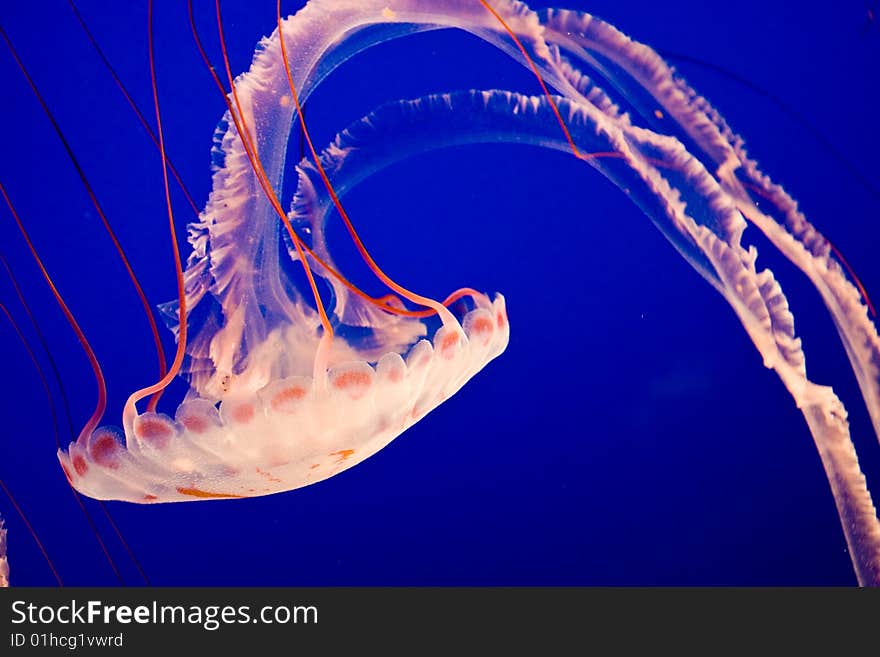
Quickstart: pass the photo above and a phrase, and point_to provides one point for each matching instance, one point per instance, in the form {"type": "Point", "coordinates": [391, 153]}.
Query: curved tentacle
{"type": "Point", "coordinates": [657, 173]}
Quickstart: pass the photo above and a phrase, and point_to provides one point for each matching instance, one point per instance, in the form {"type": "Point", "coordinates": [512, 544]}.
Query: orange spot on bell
{"type": "Point", "coordinates": [351, 379]}
{"type": "Point", "coordinates": [196, 492]}
{"type": "Point", "coordinates": [314, 465]}
{"type": "Point", "coordinates": [483, 327]}
{"type": "Point", "coordinates": [195, 423]}
{"type": "Point", "coordinates": [268, 475]}
{"type": "Point", "coordinates": [482, 324]}
{"type": "Point", "coordinates": [288, 395]}
{"type": "Point", "coordinates": [342, 454]}
{"type": "Point", "coordinates": [244, 413]}
{"type": "Point", "coordinates": [448, 344]}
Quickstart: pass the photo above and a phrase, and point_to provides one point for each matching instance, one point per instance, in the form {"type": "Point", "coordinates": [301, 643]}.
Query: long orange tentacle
{"type": "Point", "coordinates": [248, 142]}
{"type": "Point", "coordinates": [154, 329]}
{"type": "Point", "coordinates": [574, 149]}
{"type": "Point", "coordinates": [326, 340]}
{"type": "Point", "coordinates": [852, 274]}
{"type": "Point", "coordinates": [45, 346]}
{"type": "Point", "coordinates": [130, 410]}
{"type": "Point", "coordinates": [101, 404]}
{"type": "Point", "coordinates": [131, 103]}
{"type": "Point", "coordinates": [589, 156]}
{"type": "Point", "coordinates": [380, 303]}
{"type": "Point", "coordinates": [439, 308]}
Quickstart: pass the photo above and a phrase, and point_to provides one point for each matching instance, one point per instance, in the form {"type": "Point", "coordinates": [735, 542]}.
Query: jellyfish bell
{"type": "Point", "coordinates": [277, 429]}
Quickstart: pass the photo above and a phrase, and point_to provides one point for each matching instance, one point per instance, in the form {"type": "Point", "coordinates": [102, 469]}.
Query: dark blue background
{"type": "Point", "coordinates": [629, 434]}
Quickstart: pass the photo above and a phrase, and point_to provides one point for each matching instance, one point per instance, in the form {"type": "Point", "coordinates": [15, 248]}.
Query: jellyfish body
{"type": "Point", "coordinates": [290, 432]}
{"type": "Point", "coordinates": [259, 419]}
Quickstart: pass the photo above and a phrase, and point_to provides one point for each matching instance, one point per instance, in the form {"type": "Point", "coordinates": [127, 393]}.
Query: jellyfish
{"type": "Point", "coordinates": [295, 374]}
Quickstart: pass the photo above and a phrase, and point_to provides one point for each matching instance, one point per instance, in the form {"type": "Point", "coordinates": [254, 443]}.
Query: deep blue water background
{"type": "Point", "coordinates": [628, 435]}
